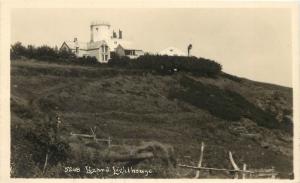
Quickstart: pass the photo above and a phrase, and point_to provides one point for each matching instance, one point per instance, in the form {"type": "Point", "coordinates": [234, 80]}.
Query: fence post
{"type": "Point", "coordinates": [244, 173]}
{"type": "Point", "coordinates": [94, 134]}
{"type": "Point", "coordinates": [236, 174]}
{"type": "Point", "coordinates": [200, 161]}
{"type": "Point", "coordinates": [45, 164]}
{"type": "Point", "coordinates": [273, 176]}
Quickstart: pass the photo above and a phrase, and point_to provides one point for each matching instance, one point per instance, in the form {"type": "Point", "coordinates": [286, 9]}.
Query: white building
{"type": "Point", "coordinates": [104, 43]}
{"type": "Point", "coordinates": [172, 51]}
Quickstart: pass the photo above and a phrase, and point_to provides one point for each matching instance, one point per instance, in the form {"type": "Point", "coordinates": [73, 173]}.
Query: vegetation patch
{"type": "Point", "coordinates": [232, 77]}
{"type": "Point", "coordinates": [164, 64]}
{"type": "Point", "coordinates": [161, 64]}
{"type": "Point", "coordinates": [224, 104]}
{"type": "Point", "coordinates": [49, 54]}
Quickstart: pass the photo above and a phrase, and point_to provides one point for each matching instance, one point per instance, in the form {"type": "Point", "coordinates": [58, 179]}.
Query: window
{"type": "Point", "coordinates": [106, 57]}
{"type": "Point", "coordinates": [97, 29]}
{"type": "Point", "coordinates": [104, 48]}
{"type": "Point", "coordinates": [77, 50]}
{"type": "Point", "coordinates": [103, 57]}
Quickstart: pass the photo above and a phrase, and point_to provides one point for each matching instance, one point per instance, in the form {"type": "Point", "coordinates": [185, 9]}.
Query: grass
{"type": "Point", "coordinates": [132, 108]}
{"type": "Point", "coordinates": [224, 104]}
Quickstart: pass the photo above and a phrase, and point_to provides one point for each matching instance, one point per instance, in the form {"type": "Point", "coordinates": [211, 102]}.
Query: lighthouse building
{"type": "Point", "coordinates": [104, 43]}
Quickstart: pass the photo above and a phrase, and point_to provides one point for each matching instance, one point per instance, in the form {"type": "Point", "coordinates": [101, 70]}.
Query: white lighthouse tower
{"type": "Point", "coordinates": [104, 43]}
{"type": "Point", "coordinates": [100, 31]}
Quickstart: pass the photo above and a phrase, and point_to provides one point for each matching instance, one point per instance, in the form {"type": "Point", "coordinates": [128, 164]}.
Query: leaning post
{"type": "Point", "coordinates": [236, 174]}
{"type": "Point", "coordinates": [200, 161]}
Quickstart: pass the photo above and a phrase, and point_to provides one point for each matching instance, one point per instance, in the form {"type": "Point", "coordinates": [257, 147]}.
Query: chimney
{"type": "Point", "coordinates": [120, 34]}
{"type": "Point", "coordinates": [114, 34]}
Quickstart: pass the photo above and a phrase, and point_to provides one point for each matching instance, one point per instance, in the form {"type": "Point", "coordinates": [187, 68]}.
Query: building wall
{"type": "Point", "coordinates": [81, 53]}
{"type": "Point", "coordinates": [120, 51]}
{"type": "Point", "coordinates": [64, 47]}
{"type": "Point", "coordinates": [114, 42]}
{"type": "Point", "coordinates": [139, 52]}
{"type": "Point", "coordinates": [101, 55]}
{"type": "Point", "coordinates": [133, 53]}
{"type": "Point", "coordinates": [104, 53]}
{"type": "Point", "coordinates": [94, 53]}
{"type": "Point", "coordinates": [101, 32]}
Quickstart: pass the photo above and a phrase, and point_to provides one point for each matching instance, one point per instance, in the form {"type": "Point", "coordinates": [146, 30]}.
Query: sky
{"type": "Point", "coordinates": [255, 43]}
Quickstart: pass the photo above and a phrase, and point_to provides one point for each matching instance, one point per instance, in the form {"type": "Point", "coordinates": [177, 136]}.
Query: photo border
{"type": "Point", "coordinates": [5, 18]}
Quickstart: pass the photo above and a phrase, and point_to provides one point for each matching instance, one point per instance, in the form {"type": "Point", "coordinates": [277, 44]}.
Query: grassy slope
{"type": "Point", "coordinates": [134, 107]}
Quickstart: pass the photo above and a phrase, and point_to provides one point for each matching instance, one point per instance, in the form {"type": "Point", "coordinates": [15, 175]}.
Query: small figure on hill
{"type": "Point", "coordinates": [189, 49]}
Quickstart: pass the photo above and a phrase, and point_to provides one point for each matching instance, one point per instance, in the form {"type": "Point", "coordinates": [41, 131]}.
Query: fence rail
{"type": "Point", "coordinates": [270, 173]}
{"type": "Point", "coordinates": [215, 169]}
{"type": "Point", "coordinates": [93, 135]}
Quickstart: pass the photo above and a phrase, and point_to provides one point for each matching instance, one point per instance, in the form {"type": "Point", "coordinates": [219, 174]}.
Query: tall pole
{"type": "Point", "coordinates": [189, 49]}
{"type": "Point", "coordinates": [92, 34]}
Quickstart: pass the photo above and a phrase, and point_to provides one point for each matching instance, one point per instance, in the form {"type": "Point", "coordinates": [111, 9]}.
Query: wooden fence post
{"type": "Point", "coordinates": [45, 164]}
{"type": "Point", "coordinates": [266, 173]}
{"type": "Point", "coordinates": [94, 133]}
{"type": "Point", "coordinates": [244, 169]}
{"type": "Point", "coordinates": [236, 175]}
{"type": "Point", "coordinates": [273, 176]}
{"type": "Point", "coordinates": [200, 161]}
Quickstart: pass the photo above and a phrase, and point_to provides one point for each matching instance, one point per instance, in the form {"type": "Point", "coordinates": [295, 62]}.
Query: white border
{"type": "Point", "coordinates": [6, 7]}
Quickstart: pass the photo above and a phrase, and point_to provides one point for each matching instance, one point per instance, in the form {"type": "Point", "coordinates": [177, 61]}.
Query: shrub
{"type": "Point", "coordinates": [224, 104]}
{"type": "Point", "coordinates": [45, 53]}
{"type": "Point", "coordinates": [86, 61]}
{"type": "Point", "coordinates": [30, 146]}
{"type": "Point", "coordinates": [65, 54]}
{"type": "Point", "coordinates": [17, 50]}
{"type": "Point", "coordinates": [49, 54]}
{"type": "Point", "coordinates": [169, 64]}
{"type": "Point", "coordinates": [119, 61]}
{"type": "Point", "coordinates": [161, 64]}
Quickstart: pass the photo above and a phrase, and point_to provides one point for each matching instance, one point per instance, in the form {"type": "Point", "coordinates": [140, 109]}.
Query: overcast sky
{"type": "Point", "coordinates": [251, 43]}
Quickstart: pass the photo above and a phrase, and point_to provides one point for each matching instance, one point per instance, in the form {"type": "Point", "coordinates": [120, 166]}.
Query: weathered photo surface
{"type": "Point", "coordinates": [151, 93]}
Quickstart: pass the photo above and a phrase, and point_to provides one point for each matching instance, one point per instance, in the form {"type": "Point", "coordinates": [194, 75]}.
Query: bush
{"type": "Point", "coordinates": [30, 146]}
{"type": "Point", "coordinates": [65, 54]}
{"type": "Point", "coordinates": [169, 64]}
{"type": "Point", "coordinates": [87, 61]}
{"type": "Point", "coordinates": [49, 54]}
{"type": "Point", "coordinates": [153, 63]}
{"type": "Point", "coordinates": [17, 50]}
{"type": "Point", "coordinates": [119, 61]}
{"type": "Point", "coordinates": [45, 53]}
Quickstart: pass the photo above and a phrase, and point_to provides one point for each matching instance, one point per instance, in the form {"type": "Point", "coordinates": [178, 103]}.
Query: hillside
{"type": "Point", "coordinates": [137, 108]}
